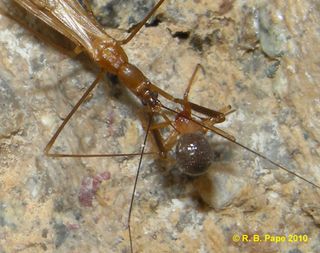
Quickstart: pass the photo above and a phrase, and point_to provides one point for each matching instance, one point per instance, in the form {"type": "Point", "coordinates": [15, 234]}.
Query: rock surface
{"type": "Point", "coordinates": [261, 57]}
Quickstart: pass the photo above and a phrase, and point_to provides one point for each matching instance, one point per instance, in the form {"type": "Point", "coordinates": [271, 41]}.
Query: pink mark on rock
{"type": "Point", "coordinates": [72, 226]}
{"type": "Point", "coordinates": [89, 187]}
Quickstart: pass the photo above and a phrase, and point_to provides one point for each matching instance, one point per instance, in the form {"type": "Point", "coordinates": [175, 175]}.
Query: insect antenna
{"type": "Point", "coordinates": [233, 140]}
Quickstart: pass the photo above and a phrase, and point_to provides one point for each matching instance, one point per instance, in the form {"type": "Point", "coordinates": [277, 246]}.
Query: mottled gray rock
{"type": "Point", "coordinates": [259, 56]}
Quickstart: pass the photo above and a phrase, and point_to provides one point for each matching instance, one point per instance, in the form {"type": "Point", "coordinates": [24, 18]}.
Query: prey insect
{"type": "Point", "coordinates": [89, 37]}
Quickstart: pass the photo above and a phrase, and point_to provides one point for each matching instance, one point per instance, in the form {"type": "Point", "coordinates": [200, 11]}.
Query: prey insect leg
{"type": "Point", "coordinates": [212, 117]}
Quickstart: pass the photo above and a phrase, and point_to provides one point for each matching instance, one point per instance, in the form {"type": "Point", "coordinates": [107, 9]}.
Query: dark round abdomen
{"type": "Point", "coordinates": [193, 153]}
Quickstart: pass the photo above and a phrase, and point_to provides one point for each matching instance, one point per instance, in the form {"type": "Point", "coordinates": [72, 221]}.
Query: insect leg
{"type": "Point", "coordinates": [65, 121]}
{"type": "Point", "coordinates": [88, 8]}
{"type": "Point", "coordinates": [136, 179]}
{"type": "Point", "coordinates": [186, 104]}
{"type": "Point", "coordinates": [140, 24]}
{"type": "Point", "coordinates": [164, 145]}
{"type": "Point", "coordinates": [195, 107]}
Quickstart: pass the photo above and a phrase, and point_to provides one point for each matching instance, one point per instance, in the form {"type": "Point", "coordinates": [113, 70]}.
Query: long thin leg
{"type": "Point", "coordinates": [136, 180]}
{"type": "Point", "coordinates": [186, 104]}
{"type": "Point", "coordinates": [191, 81]}
{"type": "Point", "coordinates": [74, 109]}
{"type": "Point", "coordinates": [160, 125]}
{"type": "Point", "coordinates": [210, 126]}
{"type": "Point", "coordinates": [232, 139]}
{"type": "Point", "coordinates": [88, 8]}
{"type": "Point", "coordinates": [198, 108]}
{"type": "Point", "coordinates": [227, 110]}
{"type": "Point", "coordinates": [171, 140]}
{"type": "Point", "coordinates": [86, 5]}
{"type": "Point", "coordinates": [140, 24]}
{"type": "Point", "coordinates": [205, 126]}
{"type": "Point", "coordinates": [66, 120]}
{"type": "Point", "coordinates": [164, 145]}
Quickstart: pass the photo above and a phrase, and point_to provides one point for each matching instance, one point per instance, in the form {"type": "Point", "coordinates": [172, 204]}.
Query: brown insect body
{"type": "Point", "coordinates": [69, 18]}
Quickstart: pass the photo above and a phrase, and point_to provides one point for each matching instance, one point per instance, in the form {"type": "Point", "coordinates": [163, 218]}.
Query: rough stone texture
{"type": "Point", "coordinates": [259, 56]}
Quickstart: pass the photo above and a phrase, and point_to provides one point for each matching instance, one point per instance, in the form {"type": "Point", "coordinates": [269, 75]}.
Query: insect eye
{"type": "Point", "coordinates": [193, 153]}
